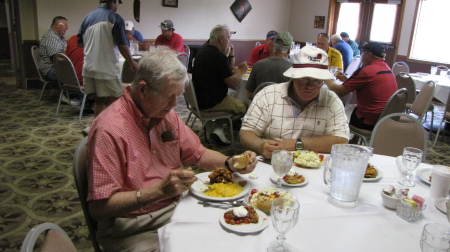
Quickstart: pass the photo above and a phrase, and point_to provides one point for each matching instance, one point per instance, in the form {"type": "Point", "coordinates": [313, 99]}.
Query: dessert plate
{"type": "Point", "coordinates": [424, 175]}
{"type": "Point", "coordinates": [274, 178]}
{"type": "Point", "coordinates": [246, 228]}
{"type": "Point", "coordinates": [378, 177]}
{"type": "Point", "coordinates": [440, 204]}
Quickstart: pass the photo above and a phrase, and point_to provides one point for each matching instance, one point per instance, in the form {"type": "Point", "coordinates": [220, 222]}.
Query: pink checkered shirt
{"type": "Point", "coordinates": [125, 154]}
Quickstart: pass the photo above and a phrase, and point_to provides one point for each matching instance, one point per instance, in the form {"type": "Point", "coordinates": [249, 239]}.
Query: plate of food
{"type": "Point", "coordinates": [295, 177]}
{"type": "Point", "coordinates": [425, 175]}
{"type": "Point", "coordinates": [372, 173]}
{"type": "Point", "coordinates": [222, 185]}
{"type": "Point", "coordinates": [441, 204]}
{"type": "Point", "coordinates": [262, 199]}
{"type": "Point", "coordinates": [244, 220]}
{"type": "Point", "coordinates": [308, 159]}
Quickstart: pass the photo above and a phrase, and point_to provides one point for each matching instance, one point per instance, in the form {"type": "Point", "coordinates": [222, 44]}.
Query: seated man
{"type": "Point", "coordinates": [298, 114]}
{"type": "Point", "coordinates": [334, 56]}
{"type": "Point", "coordinates": [352, 43]}
{"type": "Point", "coordinates": [52, 42]}
{"type": "Point", "coordinates": [262, 51]}
{"type": "Point", "coordinates": [271, 69]}
{"type": "Point", "coordinates": [137, 150]}
{"type": "Point", "coordinates": [212, 75]}
{"type": "Point", "coordinates": [374, 84]}
{"type": "Point", "coordinates": [344, 48]}
{"type": "Point", "coordinates": [169, 38]}
{"type": "Point", "coordinates": [135, 35]}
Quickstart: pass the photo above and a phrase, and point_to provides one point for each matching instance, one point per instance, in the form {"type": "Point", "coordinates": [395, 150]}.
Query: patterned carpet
{"type": "Point", "coordinates": [36, 152]}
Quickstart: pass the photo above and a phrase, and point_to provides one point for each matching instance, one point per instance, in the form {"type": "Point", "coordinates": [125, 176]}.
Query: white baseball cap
{"type": "Point", "coordinates": [310, 62]}
{"type": "Point", "coordinates": [129, 25]}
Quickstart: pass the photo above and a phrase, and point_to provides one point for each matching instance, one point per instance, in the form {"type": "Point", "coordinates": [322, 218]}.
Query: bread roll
{"type": "Point", "coordinates": [241, 161]}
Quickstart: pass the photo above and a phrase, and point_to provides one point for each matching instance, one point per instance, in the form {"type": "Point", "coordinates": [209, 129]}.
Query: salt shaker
{"type": "Point", "coordinates": [440, 181]}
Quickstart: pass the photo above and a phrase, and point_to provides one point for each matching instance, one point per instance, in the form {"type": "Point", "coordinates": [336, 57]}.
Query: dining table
{"type": "Point", "coordinates": [442, 84]}
{"type": "Point", "coordinates": [370, 226]}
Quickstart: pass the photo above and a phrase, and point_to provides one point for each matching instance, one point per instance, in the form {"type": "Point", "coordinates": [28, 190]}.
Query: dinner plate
{"type": "Point", "coordinates": [307, 166]}
{"type": "Point", "coordinates": [274, 178]}
{"type": "Point", "coordinates": [424, 174]}
{"type": "Point", "coordinates": [263, 221]}
{"type": "Point", "coordinates": [197, 186]}
{"type": "Point", "coordinates": [378, 177]}
{"type": "Point", "coordinates": [440, 204]}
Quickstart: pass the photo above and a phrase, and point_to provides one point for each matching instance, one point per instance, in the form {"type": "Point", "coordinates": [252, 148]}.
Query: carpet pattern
{"type": "Point", "coordinates": [36, 154]}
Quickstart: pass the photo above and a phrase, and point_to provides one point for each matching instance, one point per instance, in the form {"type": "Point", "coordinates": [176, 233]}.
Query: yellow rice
{"type": "Point", "coordinates": [221, 190]}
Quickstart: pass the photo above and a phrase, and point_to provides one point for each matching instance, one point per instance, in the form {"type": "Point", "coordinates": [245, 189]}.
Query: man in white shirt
{"type": "Point", "coordinates": [299, 114]}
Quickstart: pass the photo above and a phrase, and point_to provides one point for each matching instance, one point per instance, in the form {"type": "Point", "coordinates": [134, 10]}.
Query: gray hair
{"type": "Point", "coordinates": [280, 48]}
{"type": "Point", "coordinates": [217, 31]}
{"type": "Point", "coordinates": [336, 37]}
{"type": "Point", "coordinates": [160, 68]}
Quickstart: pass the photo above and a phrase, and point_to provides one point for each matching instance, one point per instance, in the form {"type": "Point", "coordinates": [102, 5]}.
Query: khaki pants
{"type": "Point", "coordinates": [134, 234]}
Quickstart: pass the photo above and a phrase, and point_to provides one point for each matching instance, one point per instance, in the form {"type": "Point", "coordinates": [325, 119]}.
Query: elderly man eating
{"type": "Point", "coordinates": [299, 114]}
{"type": "Point", "coordinates": [137, 150]}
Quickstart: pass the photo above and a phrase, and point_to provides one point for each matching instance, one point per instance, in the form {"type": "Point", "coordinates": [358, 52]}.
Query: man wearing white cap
{"type": "Point", "coordinates": [298, 114]}
{"type": "Point", "coordinates": [135, 35]}
{"type": "Point", "coordinates": [169, 38]}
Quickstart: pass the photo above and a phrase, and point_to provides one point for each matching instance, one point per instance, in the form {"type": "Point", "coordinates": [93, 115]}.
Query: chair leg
{"type": "Point", "coordinates": [59, 103]}
{"type": "Point", "coordinates": [42, 92]}
{"type": "Point", "coordinates": [82, 107]}
{"type": "Point", "coordinates": [437, 133]}
{"type": "Point", "coordinates": [231, 132]}
{"type": "Point", "coordinates": [188, 118]}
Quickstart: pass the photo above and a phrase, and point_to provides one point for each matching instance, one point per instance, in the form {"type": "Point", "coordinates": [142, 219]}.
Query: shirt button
{"type": "Point", "coordinates": [153, 151]}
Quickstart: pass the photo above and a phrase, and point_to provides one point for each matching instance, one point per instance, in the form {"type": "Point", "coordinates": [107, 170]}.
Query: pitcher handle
{"type": "Point", "coordinates": [326, 171]}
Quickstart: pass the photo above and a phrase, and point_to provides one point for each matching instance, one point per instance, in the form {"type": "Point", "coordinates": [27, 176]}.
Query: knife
{"type": "Point", "coordinates": [137, 9]}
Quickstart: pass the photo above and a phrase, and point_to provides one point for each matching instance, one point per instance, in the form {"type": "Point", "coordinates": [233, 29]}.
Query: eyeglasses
{"type": "Point", "coordinates": [166, 25]}
{"type": "Point", "coordinates": [62, 24]}
{"type": "Point", "coordinates": [309, 82]}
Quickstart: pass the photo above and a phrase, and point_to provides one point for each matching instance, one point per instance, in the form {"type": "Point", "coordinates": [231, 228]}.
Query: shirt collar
{"type": "Point", "coordinates": [138, 117]}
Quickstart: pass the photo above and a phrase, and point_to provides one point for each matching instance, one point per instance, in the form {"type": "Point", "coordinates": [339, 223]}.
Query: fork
{"type": "Point", "coordinates": [223, 204]}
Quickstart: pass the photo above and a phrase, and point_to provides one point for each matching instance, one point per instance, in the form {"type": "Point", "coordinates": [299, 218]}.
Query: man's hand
{"type": "Point", "coordinates": [177, 182]}
{"type": "Point", "coordinates": [268, 147]}
{"type": "Point", "coordinates": [341, 76]}
{"type": "Point", "coordinates": [251, 165]}
{"type": "Point", "coordinates": [243, 67]}
{"type": "Point", "coordinates": [133, 65]}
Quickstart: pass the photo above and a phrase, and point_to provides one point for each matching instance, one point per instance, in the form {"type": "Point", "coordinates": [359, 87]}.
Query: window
{"type": "Point", "coordinates": [349, 19]}
{"type": "Point", "coordinates": [383, 23]}
{"type": "Point", "coordinates": [431, 27]}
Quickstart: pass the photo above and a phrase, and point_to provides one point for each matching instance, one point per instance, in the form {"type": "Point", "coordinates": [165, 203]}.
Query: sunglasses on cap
{"type": "Point", "coordinates": [166, 25]}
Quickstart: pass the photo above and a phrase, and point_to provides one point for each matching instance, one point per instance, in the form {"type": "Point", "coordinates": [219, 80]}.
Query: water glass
{"type": "Point", "coordinates": [282, 162]}
{"type": "Point", "coordinates": [284, 213]}
{"type": "Point", "coordinates": [433, 70]}
{"type": "Point", "coordinates": [411, 158]}
{"type": "Point", "coordinates": [333, 70]}
{"type": "Point", "coordinates": [409, 213]}
{"type": "Point", "coordinates": [435, 238]}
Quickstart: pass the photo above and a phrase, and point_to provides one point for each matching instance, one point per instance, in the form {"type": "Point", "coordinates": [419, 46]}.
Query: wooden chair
{"type": "Point", "coordinates": [396, 131]}
{"type": "Point", "coordinates": [395, 104]}
{"type": "Point", "coordinates": [81, 181]}
{"type": "Point", "coordinates": [204, 116]}
{"type": "Point", "coordinates": [400, 67]}
{"type": "Point", "coordinates": [55, 239]}
{"type": "Point", "coordinates": [68, 80]}
{"type": "Point", "coordinates": [35, 54]}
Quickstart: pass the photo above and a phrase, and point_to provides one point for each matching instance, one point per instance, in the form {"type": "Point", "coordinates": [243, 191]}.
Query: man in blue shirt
{"type": "Point", "coordinates": [352, 43]}
{"type": "Point", "coordinates": [343, 48]}
{"type": "Point", "coordinates": [135, 35]}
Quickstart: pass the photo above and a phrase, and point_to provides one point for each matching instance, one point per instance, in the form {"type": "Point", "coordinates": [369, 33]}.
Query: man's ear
{"type": "Point", "coordinates": [142, 86]}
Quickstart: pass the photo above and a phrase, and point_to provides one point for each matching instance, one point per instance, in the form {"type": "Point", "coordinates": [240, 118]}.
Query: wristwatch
{"type": "Point", "coordinates": [299, 145]}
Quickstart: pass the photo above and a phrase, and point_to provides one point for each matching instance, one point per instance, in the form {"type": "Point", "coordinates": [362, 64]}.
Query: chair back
{"type": "Point", "coordinates": [55, 239]}
{"type": "Point", "coordinates": [35, 52]}
{"type": "Point", "coordinates": [191, 99]}
{"type": "Point", "coordinates": [81, 181]}
{"type": "Point", "coordinates": [441, 68]}
{"type": "Point", "coordinates": [404, 80]}
{"type": "Point", "coordinates": [67, 76]}
{"type": "Point", "coordinates": [395, 104]}
{"type": "Point", "coordinates": [354, 64]}
{"type": "Point", "coordinates": [423, 100]}
{"type": "Point", "coordinates": [187, 49]}
{"type": "Point", "coordinates": [184, 58]}
{"type": "Point", "coordinates": [261, 86]}
{"type": "Point", "coordinates": [391, 135]}
{"type": "Point", "coordinates": [400, 67]}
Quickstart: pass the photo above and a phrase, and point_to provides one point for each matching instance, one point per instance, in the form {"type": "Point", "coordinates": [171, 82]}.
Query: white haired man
{"type": "Point", "coordinates": [137, 150]}
{"type": "Point", "coordinates": [344, 48]}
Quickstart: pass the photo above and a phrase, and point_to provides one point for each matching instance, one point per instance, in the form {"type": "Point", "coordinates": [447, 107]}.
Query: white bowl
{"type": "Point", "coordinates": [390, 202]}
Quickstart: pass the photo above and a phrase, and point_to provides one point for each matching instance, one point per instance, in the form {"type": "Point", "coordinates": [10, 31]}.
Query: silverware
{"type": "Point", "coordinates": [204, 183]}
{"type": "Point", "coordinates": [222, 204]}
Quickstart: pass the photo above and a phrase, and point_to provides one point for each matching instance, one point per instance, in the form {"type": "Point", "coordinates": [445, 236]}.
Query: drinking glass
{"type": "Point", "coordinates": [411, 159]}
{"type": "Point", "coordinates": [443, 72]}
{"type": "Point", "coordinates": [333, 70]}
{"type": "Point", "coordinates": [284, 214]}
{"type": "Point", "coordinates": [433, 70]}
{"type": "Point", "coordinates": [435, 238]}
{"type": "Point", "coordinates": [282, 162]}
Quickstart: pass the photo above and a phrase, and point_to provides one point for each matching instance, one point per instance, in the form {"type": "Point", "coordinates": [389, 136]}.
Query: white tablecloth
{"type": "Point", "coordinates": [442, 84]}
{"type": "Point", "coordinates": [321, 227]}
